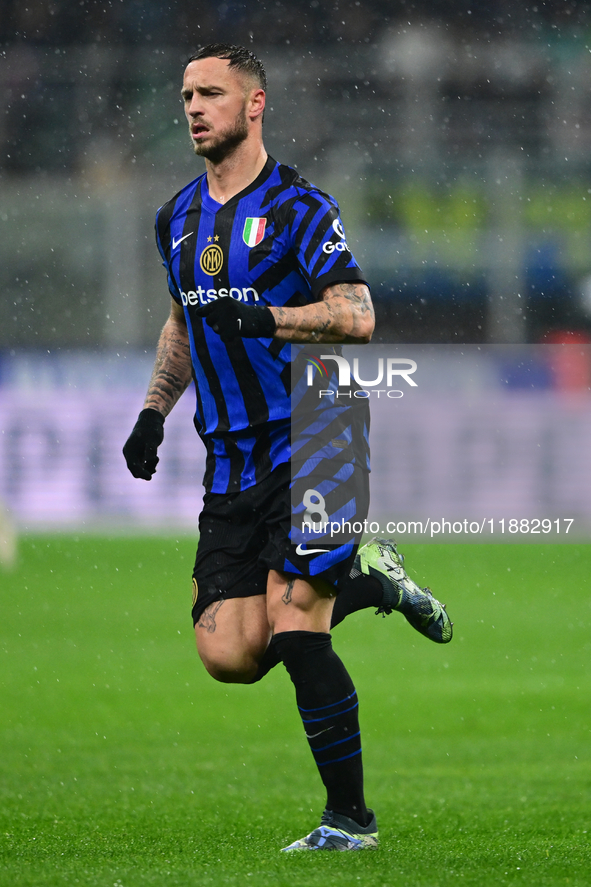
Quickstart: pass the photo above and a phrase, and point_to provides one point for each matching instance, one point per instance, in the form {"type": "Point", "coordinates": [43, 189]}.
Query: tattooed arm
{"type": "Point", "coordinates": [171, 375]}
{"type": "Point", "coordinates": [344, 314]}
{"type": "Point", "coordinates": [172, 369]}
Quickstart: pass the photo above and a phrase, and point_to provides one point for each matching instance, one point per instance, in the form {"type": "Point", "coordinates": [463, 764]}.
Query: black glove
{"type": "Point", "coordinates": [143, 442]}
{"type": "Point", "coordinates": [231, 320]}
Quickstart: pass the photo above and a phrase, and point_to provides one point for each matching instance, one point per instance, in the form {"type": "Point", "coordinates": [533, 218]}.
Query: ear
{"type": "Point", "coordinates": [256, 103]}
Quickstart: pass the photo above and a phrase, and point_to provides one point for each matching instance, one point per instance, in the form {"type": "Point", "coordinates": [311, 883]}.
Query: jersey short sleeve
{"type": "Point", "coordinates": [162, 240]}
{"type": "Point", "coordinates": [320, 243]}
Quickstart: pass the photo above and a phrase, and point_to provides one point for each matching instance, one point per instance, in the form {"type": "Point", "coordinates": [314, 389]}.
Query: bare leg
{"type": "Point", "coordinates": [232, 636]}
{"type": "Point", "coordinates": [298, 605]}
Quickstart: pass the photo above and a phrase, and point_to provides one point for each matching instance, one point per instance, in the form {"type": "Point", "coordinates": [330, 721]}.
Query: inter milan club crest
{"type": "Point", "coordinates": [254, 230]}
{"type": "Point", "coordinates": [212, 259]}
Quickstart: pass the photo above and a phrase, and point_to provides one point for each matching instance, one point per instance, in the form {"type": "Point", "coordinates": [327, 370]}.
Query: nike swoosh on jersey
{"type": "Point", "coordinates": [175, 243]}
{"type": "Point", "coordinates": [300, 550]}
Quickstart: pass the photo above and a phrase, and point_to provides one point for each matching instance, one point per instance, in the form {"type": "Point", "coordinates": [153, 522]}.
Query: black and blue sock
{"type": "Point", "coordinates": [328, 706]}
{"type": "Point", "coordinates": [357, 593]}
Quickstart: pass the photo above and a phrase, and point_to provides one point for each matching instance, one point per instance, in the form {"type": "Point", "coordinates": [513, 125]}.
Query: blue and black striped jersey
{"type": "Point", "coordinates": [279, 242]}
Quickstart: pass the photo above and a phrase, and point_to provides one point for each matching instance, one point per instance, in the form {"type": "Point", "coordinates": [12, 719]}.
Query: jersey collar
{"type": "Point", "coordinates": [213, 206]}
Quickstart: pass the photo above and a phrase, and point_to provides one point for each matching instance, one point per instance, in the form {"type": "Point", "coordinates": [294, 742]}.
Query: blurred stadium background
{"type": "Point", "coordinates": [455, 136]}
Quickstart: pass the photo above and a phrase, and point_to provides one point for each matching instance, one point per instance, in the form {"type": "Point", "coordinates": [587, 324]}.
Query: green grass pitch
{"type": "Point", "coordinates": [123, 764]}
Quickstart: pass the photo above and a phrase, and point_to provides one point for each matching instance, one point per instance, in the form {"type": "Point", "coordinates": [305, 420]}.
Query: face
{"type": "Point", "coordinates": [220, 104]}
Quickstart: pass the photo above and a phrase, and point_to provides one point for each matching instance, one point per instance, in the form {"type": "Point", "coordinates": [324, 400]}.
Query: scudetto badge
{"type": "Point", "coordinates": [254, 231]}
{"type": "Point", "coordinates": [212, 259]}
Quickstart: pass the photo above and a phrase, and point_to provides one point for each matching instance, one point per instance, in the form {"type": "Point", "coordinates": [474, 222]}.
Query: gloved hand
{"type": "Point", "coordinates": [142, 444]}
{"type": "Point", "coordinates": [232, 320]}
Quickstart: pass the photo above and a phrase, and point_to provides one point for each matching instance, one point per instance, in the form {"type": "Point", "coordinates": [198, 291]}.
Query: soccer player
{"type": "Point", "coordinates": [258, 266]}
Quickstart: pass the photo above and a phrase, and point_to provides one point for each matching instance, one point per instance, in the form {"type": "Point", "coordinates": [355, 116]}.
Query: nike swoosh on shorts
{"type": "Point", "coordinates": [300, 550]}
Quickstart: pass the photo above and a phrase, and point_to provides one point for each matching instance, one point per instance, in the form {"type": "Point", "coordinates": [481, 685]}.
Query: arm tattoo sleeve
{"type": "Point", "coordinates": [344, 314]}
{"type": "Point", "coordinates": [358, 295]}
{"type": "Point", "coordinates": [172, 369]}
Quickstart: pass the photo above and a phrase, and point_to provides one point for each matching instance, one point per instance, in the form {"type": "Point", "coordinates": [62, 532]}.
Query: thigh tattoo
{"type": "Point", "coordinates": [207, 619]}
{"type": "Point", "coordinates": [288, 592]}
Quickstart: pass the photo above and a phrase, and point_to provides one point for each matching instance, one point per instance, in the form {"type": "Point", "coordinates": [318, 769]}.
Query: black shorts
{"type": "Point", "coordinates": [244, 535]}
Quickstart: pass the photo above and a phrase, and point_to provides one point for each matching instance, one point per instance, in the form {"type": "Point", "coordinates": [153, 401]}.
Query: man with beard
{"type": "Point", "coordinates": [258, 265]}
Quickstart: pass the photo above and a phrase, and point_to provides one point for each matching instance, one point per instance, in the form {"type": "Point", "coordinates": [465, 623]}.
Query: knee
{"type": "Point", "coordinates": [228, 668]}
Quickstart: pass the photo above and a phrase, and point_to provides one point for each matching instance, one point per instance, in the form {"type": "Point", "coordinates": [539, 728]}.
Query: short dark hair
{"type": "Point", "coordinates": [240, 58]}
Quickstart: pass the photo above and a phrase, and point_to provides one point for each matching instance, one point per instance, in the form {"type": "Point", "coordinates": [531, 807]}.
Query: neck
{"type": "Point", "coordinates": [235, 172]}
